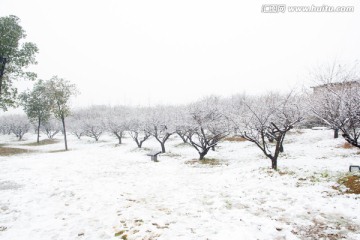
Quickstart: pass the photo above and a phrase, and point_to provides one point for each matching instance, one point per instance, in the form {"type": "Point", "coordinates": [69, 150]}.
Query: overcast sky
{"type": "Point", "coordinates": [151, 52]}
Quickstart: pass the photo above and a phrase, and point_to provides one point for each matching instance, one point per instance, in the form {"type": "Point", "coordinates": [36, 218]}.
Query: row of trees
{"type": "Point", "coordinates": [264, 120]}
{"type": "Point", "coordinates": [19, 125]}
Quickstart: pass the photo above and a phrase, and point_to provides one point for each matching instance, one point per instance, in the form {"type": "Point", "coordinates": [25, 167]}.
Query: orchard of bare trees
{"type": "Point", "coordinates": [263, 120]}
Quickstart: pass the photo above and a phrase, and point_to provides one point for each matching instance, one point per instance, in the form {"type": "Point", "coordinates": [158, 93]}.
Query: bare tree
{"type": "Point", "coordinates": [160, 125]}
{"type": "Point", "coordinates": [181, 123]}
{"type": "Point", "coordinates": [51, 127]}
{"type": "Point", "coordinates": [335, 100]}
{"type": "Point", "coordinates": [137, 126]}
{"type": "Point", "coordinates": [208, 125]}
{"type": "Point", "coordinates": [76, 125]}
{"type": "Point", "coordinates": [19, 125]}
{"type": "Point", "coordinates": [94, 125]}
{"type": "Point", "coordinates": [117, 122]}
{"type": "Point", "coordinates": [5, 125]}
{"type": "Point", "coordinates": [266, 120]}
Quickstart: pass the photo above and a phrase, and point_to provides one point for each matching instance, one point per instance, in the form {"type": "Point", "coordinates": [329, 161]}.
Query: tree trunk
{"type": "Point", "coordinates": [119, 136]}
{"type": "Point", "coordinates": [202, 154]}
{"type": "Point", "coordinates": [274, 164]}
{"type": "Point", "coordinates": [281, 149]}
{"type": "Point", "coordinates": [64, 132]}
{"type": "Point", "coordinates": [38, 131]}
{"type": "Point", "coordinates": [2, 68]}
{"type": "Point", "coordinates": [336, 133]}
{"type": "Point", "coordinates": [162, 147]}
{"type": "Point", "coordinates": [138, 143]}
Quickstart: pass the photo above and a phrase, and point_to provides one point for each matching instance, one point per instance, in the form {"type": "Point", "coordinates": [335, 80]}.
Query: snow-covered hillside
{"type": "Point", "coordinates": [99, 190]}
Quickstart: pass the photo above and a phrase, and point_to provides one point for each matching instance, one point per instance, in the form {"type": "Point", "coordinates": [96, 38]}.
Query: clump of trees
{"type": "Point", "coordinates": [46, 99]}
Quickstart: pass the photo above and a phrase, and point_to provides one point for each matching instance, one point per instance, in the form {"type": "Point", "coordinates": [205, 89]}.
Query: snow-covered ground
{"type": "Point", "coordinates": [99, 190]}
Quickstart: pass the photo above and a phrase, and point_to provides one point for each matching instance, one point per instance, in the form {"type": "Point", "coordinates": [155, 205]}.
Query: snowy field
{"type": "Point", "coordinates": [99, 190]}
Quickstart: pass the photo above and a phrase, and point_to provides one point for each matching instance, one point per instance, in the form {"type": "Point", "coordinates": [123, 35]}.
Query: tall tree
{"type": "Point", "coordinates": [60, 91]}
{"type": "Point", "coordinates": [36, 104]}
{"type": "Point", "coordinates": [15, 58]}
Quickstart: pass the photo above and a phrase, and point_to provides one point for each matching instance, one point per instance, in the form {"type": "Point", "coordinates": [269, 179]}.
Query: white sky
{"type": "Point", "coordinates": [150, 52]}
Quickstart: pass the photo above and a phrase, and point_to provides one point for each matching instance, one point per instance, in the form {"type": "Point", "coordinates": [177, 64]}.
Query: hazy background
{"type": "Point", "coordinates": [151, 52]}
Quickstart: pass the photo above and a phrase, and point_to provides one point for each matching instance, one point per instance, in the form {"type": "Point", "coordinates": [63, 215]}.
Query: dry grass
{"type": "Point", "coordinates": [206, 161]}
{"type": "Point", "coordinates": [330, 230]}
{"type": "Point", "coordinates": [346, 145]}
{"type": "Point", "coordinates": [352, 183]}
{"type": "Point", "coordinates": [42, 142]}
{"type": "Point", "coordinates": [235, 139]}
{"type": "Point", "coordinates": [9, 151]}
